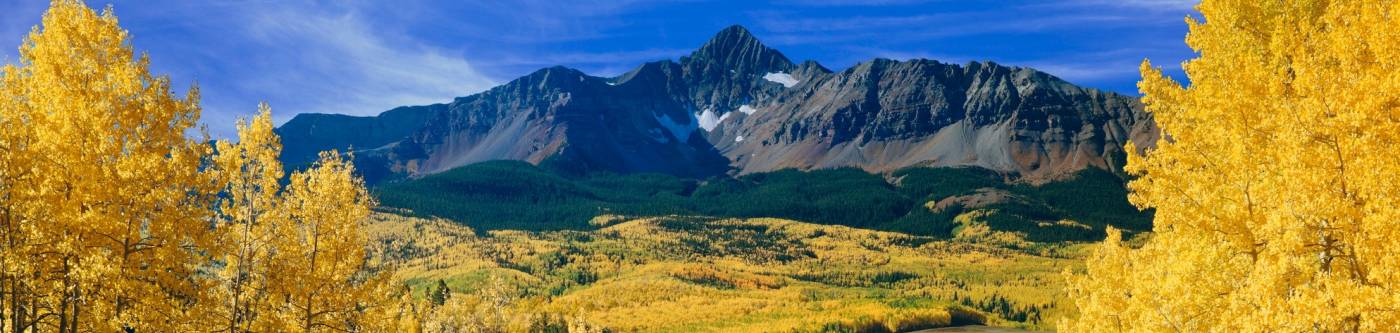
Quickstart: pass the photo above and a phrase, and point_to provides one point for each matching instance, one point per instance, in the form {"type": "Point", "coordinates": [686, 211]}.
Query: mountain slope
{"type": "Point", "coordinates": [883, 115]}
{"type": "Point", "coordinates": [562, 115]}
{"type": "Point", "coordinates": [737, 106]}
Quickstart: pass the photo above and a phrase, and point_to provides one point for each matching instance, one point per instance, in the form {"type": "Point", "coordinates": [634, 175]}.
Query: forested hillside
{"type": "Point", "coordinates": [921, 201]}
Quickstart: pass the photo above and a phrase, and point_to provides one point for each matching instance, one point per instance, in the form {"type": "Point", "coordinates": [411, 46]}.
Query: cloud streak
{"type": "Point", "coordinates": [301, 57]}
{"type": "Point", "coordinates": [344, 66]}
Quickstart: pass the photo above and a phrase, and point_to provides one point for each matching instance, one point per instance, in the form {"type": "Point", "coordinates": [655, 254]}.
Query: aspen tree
{"type": "Point", "coordinates": [1276, 191]}
{"type": "Point", "coordinates": [114, 218]}
{"type": "Point", "coordinates": [106, 195]}
{"type": "Point", "coordinates": [250, 172]}
{"type": "Point", "coordinates": [322, 249]}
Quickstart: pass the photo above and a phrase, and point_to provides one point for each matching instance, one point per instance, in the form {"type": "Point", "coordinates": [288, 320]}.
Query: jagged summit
{"type": "Point", "coordinates": [730, 71]}
{"type": "Point", "coordinates": [734, 48]}
{"type": "Point", "coordinates": [735, 33]}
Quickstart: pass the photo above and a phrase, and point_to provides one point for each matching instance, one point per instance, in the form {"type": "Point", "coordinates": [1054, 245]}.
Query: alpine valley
{"type": "Point", "coordinates": [735, 190]}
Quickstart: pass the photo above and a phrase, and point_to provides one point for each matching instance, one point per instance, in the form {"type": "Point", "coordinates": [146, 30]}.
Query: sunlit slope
{"type": "Point", "coordinates": [683, 274]}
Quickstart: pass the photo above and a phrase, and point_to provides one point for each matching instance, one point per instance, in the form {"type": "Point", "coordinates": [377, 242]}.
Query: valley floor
{"type": "Point", "coordinates": [688, 274]}
{"type": "Point", "coordinates": [973, 329]}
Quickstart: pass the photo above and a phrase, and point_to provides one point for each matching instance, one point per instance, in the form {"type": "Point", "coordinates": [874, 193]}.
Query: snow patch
{"type": "Point", "coordinates": [739, 138]}
{"type": "Point", "coordinates": [680, 131]}
{"type": "Point", "coordinates": [781, 78]}
{"type": "Point", "coordinates": [746, 109]}
{"type": "Point", "coordinates": [709, 120]}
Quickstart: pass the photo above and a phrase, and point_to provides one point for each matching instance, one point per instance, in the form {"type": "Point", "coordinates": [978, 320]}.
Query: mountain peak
{"type": "Point", "coordinates": [733, 35]}
{"type": "Point", "coordinates": [737, 49]}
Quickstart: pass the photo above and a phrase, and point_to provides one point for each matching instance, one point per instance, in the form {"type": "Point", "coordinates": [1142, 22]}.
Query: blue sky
{"type": "Point", "coordinates": [363, 57]}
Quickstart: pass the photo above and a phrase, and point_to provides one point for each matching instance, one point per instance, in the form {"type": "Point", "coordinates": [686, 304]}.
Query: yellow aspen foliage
{"type": "Point", "coordinates": [19, 231]}
{"type": "Point", "coordinates": [250, 173]}
{"type": "Point", "coordinates": [104, 197]}
{"type": "Point", "coordinates": [321, 256]}
{"type": "Point", "coordinates": [114, 218]}
{"type": "Point", "coordinates": [1277, 188]}
{"type": "Point", "coordinates": [404, 314]}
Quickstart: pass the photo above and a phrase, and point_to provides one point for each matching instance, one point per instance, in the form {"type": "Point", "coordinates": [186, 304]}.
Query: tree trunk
{"type": "Point", "coordinates": [5, 273]}
{"type": "Point", "coordinates": [315, 249]}
{"type": "Point", "coordinates": [63, 310]}
{"type": "Point", "coordinates": [77, 305]}
{"type": "Point", "coordinates": [17, 310]}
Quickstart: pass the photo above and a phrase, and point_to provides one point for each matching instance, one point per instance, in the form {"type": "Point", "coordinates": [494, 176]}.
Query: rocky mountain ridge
{"type": "Point", "coordinates": [737, 106]}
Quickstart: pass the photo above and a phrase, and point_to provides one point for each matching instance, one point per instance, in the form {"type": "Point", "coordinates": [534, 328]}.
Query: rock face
{"type": "Point", "coordinates": [562, 115]}
{"type": "Point", "coordinates": [735, 105]}
{"type": "Point", "coordinates": [883, 115]}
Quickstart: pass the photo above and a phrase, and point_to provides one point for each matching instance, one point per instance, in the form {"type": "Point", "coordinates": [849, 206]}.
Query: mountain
{"type": "Point", "coordinates": [737, 106]}
{"type": "Point", "coordinates": [561, 115]}
{"type": "Point", "coordinates": [308, 134]}
{"type": "Point", "coordinates": [882, 115]}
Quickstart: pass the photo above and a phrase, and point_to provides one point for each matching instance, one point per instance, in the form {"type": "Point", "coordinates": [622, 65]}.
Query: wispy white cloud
{"type": "Point", "coordinates": [322, 57]}
{"type": "Point", "coordinates": [301, 57]}
{"type": "Point", "coordinates": [345, 66]}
